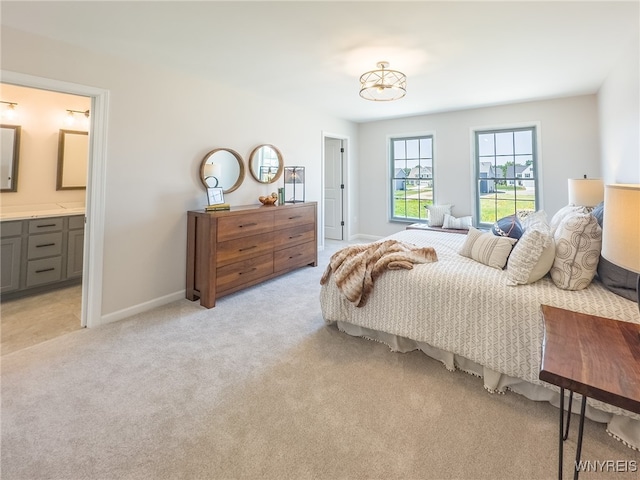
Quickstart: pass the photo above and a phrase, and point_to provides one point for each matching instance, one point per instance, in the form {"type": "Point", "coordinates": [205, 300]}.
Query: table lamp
{"type": "Point", "coordinates": [586, 192]}
{"type": "Point", "coordinates": [621, 228]}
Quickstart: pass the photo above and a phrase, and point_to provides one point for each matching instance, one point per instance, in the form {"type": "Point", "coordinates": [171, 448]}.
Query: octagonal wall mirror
{"type": "Point", "coordinates": [222, 168]}
{"type": "Point", "coordinates": [265, 163]}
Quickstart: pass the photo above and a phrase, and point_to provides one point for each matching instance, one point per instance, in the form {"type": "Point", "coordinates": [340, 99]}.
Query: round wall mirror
{"type": "Point", "coordinates": [222, 168]}
{"type": "Point", "coordinates": [265, 163]}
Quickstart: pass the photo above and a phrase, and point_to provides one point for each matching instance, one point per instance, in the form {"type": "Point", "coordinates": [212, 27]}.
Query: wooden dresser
{"type": "Point", "coordinates": [234, 249]}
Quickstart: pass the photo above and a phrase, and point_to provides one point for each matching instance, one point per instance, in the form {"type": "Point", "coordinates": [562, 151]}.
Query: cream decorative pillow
{"type": "Point", "coordinates": [563, 213]}
{"type": "Point", "coordinates": [462, 223]}
{"type": "Point", "coordinates": [533, 218]}
{"type": "Point", "coordinates": [532, 257]}
{"type": "Point", "coordinates": [487, 248]}
{"type": "Point", "coordinates": [578, 241]}
{"type": "Point", "coordinates": [436, 214]}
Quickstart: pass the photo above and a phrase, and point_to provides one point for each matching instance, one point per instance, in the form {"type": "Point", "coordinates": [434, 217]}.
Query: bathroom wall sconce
{"type": "Point", "coordinates": [71, 116]}
{"type": "Point", "coordinates": [9, 112]}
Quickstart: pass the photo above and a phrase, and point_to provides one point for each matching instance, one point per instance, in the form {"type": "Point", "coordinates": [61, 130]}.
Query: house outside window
{"type": "Point", "coordinates": [506, 179]}
{"type": "Point", "coordinates": [411, 163]}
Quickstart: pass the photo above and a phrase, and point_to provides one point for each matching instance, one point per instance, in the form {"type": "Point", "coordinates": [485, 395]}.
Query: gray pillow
{"type": "Point", "coordinates": [598, 212]}
{"type": "Point", "coordinates": [617, 279]}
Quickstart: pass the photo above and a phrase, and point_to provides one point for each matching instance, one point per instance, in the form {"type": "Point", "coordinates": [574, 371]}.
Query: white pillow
{"type": "Point", "coordinates": [436, 214]}
{"type": "Point", "coordinates": [578, 241]}
{"type": "Point", "coordinates": [487, 248]}
{"type": "Point", "coordinates": [532, 257]}
{"type": "Point", "coordinates": [462, 223]}
{"type": "Point", "coordinates": [533, 218]}
{"type": "Point", "coordinates": [563, 213]}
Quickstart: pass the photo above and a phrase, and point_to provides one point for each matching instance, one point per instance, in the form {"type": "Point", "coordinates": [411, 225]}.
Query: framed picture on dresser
{"type": "Point", "coordinates": [215, 195]}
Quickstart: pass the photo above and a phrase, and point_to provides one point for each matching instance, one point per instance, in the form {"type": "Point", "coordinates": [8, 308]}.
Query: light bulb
{"type": "Point", "coordinates": [10, 112]}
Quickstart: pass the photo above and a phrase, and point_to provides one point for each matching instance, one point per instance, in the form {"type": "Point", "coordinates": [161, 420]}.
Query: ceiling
{"type": "Point", "coordinates": [456, 55]}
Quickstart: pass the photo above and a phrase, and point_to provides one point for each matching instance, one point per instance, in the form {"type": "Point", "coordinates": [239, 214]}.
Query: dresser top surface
{"type": "Point", "coordinates": [253, 208]}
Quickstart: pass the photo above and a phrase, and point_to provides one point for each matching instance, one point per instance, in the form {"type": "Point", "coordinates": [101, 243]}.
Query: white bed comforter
{"type": "Point", "coordinates": [463, 307]}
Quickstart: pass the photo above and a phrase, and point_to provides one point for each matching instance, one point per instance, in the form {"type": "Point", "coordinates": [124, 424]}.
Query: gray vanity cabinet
{"type": "Point", "coordinates": [75, 243]}
{"type": "Point", "coordinates": [41, 253]}
{"type": "Point", "coordinates": [10, 256]}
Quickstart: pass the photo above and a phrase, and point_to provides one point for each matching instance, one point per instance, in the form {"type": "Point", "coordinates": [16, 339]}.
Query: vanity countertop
{"type": "Point", "coordinates": [23, 212]}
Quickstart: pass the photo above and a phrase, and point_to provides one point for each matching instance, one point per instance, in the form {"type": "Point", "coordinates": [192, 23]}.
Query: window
{"type": "Point", "coordinates": [411, 177]}
{"type": "Point", "coordinates": [506, 178]}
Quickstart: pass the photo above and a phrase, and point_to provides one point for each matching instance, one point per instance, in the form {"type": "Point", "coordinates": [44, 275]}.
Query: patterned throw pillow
{"type": "Point", "coordinates": [563, 213]}
{"type": "Point", "coordinates": [462, 223]}
{"type": "Point", "coordinates": [487, 248]}
{"type": "Point", "coordinates": [436, 214]}
{"type": "Point", "coordinates": [508, 227]}
{"type": "Point", "coordinates": [578, 241]}
{"type": "Point", "coordinates": [532, 257]}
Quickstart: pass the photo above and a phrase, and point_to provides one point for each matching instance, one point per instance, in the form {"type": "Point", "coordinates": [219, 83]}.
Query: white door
{"type": "Point", "coordinates": [333, 189]}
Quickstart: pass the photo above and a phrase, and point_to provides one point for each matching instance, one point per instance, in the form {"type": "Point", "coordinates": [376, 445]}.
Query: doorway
{"type": "Point", "coordinates": [334, 187]}
{"type": "Point", "coordinates": [42, 286]}
{"type": "Point", "coordinates": [93, 245]}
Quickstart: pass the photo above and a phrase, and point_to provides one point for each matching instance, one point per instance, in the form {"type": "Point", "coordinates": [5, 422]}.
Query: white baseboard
{"type": "Point", "coordinates": [371, 238]}
{"type": "Point", "coordinates": [141, 307]}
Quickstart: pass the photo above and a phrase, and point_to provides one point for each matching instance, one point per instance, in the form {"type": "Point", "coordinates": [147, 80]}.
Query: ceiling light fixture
{"type": "Point", "coordinates": [383, 85]}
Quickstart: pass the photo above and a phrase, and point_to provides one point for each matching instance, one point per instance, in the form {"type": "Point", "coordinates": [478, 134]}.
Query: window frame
{"type": "Point", "coordinates": [534, 128]}
{"type": "Point", "coordinates": [392, 178]}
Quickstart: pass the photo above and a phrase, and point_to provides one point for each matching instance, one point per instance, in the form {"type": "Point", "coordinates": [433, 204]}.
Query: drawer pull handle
{"type": "Point", "coordinates": [294, 217]}
{"type": "Point", "coordinates": [46, 225]}
{"type": "Point", "coordinates": [294, 256]}
{"type": "Point", "coordinates": [45, 270]}
{"type": "Point", "coordinates": [248, 271]}
{"type": "Point", "coordinates": [248, 225]}
{"type": "Point", "coordinates": [248, 248]}
{"type": "Point", "coordinates": [295, 236]}
{"type": "Point", "coordinates": [45, 245]}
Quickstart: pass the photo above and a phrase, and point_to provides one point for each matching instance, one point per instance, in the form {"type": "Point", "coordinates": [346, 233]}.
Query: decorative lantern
{"type": "Point", "coordinates": [293, 184]}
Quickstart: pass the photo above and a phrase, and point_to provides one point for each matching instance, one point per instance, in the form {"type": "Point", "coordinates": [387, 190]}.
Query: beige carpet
{"type": "Point", "coordinates": [259, 387]}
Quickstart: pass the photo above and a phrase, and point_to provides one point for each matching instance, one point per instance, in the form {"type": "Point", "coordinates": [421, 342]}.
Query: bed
{"type": "Point", "coordinates": [463, 313]}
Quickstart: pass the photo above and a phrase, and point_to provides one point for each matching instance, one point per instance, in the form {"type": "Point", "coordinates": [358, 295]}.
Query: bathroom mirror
{"type": "Point", "coordinates": [10, 144]}
{"type": "Point", "coordinates": [73, 155]}
{"type": "Point", "coordinates": [265, 163]}
{"type": "Point", "coordinates": [222, 168]}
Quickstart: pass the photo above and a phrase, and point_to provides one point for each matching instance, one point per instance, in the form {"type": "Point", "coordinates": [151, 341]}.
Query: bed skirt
{"type": "Point", "coordinates": [624, 429]}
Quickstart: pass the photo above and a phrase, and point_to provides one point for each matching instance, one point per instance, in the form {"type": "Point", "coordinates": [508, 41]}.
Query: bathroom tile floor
{"type": "Point", "coordinates": [34, 319]}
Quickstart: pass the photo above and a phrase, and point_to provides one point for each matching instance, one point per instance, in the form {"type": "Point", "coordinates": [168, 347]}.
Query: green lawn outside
{"type": "Point", "coordinates": [410, 203]}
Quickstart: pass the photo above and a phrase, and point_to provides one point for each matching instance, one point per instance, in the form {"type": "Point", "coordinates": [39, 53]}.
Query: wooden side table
{"type": "Point", "coordinates": [593, 356]}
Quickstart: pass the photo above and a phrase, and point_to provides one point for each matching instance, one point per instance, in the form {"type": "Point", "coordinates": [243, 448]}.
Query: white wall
{"type": "Point", "coordinates": [569, 148]}
{"type": "Point", "coordinates": [41, 114]}
{"type": "Point", "coordinates": [161, 124]}
{"type": "Point", "coordinates": [619, 109]}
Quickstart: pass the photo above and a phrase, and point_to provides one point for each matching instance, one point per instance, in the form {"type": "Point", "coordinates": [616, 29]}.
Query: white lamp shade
{"type": "Point", "coordinates": [212, 170]}
{"type": "Point", "coordinates": [586, 192]}
{"type": "Point", "coordinates": [621, 226]}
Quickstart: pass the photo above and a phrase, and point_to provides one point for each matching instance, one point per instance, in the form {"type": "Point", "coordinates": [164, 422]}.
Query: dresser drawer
{"type": "Point", "coordinates": [233, 251]}
{"type": "Point", "coordinates": [45, 270]}
{"type": "Point", "coordinates": [44, 225]}
{"type": "Point", "coordinates": [294, 216]}
{"type": "Point", "coordinates": [295, 235]}
{"type": "Point", "coordinates": [240, 273]}
{"type": "Point", "coordinates": [296, 256]}
{"type": "Point", "coordinates": [10, 229]}
{"type": "Point", "coordinates": [45, 245]}
{"type": "Point", "coordinates": [237, 226]}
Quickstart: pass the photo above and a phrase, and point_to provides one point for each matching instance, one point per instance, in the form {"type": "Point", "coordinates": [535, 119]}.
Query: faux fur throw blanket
{"type": "Point", "coordinates": [356, 267]}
